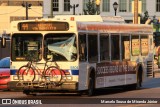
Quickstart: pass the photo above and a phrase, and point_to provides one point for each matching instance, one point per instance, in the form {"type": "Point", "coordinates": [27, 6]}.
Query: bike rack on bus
{"type": "Point", "coordinates": [37, 84]}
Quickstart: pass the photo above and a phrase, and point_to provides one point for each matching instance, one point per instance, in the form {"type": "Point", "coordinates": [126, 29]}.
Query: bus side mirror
{"type": "Point", "coordinates": [3, 42]}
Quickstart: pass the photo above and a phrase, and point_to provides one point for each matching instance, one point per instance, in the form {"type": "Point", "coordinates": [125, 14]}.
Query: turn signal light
{"type": "Point", "coordinates": [72, 19]}
{"type": "Point", "coordinates": [67, 73]}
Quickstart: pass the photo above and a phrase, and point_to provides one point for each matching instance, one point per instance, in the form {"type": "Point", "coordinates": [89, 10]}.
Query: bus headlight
{"type": "Point", "coordinates": [67, 78]}
{"type": "Point", "coordinates": [15, 77]}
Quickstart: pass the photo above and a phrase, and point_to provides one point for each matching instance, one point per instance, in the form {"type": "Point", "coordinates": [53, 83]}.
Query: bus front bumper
{"type": "Point", "coordinates": [12, 85]}
{"type": "Point", "coordinates": [37, 86]}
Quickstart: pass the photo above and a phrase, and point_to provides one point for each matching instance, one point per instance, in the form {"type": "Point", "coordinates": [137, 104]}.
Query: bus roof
{"type": "Point", "coordinates": [114, 27]}
{"type": "Point", "coordinates": [82, 18]}
{"type": "Point", "coordinates": [96, 23]}
{"type": "Point", "coordinates": [92, 18]}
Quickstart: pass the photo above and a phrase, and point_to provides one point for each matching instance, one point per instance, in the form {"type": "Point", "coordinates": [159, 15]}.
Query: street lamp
{"type": "Point", "coordinates": [98, 6]}
{"type": "Point", "coordinates": [115, 6]}
{"type": "Point", "coordinates": [74, 7]}
{"type": "Point", "coordinates": [27, 6]}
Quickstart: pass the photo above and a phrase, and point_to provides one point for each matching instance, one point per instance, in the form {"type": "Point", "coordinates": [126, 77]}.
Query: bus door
{"type": "Point", "coordinates": [82, 42]}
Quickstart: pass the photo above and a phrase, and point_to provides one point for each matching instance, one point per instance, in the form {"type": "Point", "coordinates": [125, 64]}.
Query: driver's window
{"type": "Point", "coordinates": [82, 47]}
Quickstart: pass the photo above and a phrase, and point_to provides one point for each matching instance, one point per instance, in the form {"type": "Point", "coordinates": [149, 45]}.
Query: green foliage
{"type": "Point", "coordinates": [144, 17]}
{"type": "Point", "coordinates": [156, 24]}
{"type": "Point", "coordinates": [91, 8]}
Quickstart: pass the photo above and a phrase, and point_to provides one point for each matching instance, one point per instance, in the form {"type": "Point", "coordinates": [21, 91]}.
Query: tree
{"type": "Point", "coordinates": [156, 24]}
{"type": "Point", "coordinates": [144, 18]}
{"type": "Point", "coordinates": [91, 8]}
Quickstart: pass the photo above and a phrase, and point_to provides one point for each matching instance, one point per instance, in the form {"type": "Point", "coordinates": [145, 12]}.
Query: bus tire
{"type": "Point", "coordinates": [90, 91]}
{"type": "Point", "coordinates": [27, 92]}
{"type": "Point", "coordinates": [138, 83]}
{"type": "Point", "coordinates": [139, 78]}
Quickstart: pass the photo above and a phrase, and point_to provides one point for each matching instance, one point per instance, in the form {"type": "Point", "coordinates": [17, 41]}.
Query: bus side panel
{"type": "Point", "coordinates": [83, 76]}
{"type": "Point", "coordinates": [115, 73]}
{"type": "Point", "coordinates": [130, 72]}
{"type": "Point", "coordinates": [110, 74]}
{"type": "Point", "coordinates": [84, 73]}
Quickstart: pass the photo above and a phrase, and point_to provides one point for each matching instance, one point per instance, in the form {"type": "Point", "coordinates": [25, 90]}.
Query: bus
{"type": "Point", "coordinates": [93, 53]}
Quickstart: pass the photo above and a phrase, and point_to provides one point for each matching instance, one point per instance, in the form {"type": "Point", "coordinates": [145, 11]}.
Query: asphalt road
{"type": "Point", "coordinates": [109, 97]}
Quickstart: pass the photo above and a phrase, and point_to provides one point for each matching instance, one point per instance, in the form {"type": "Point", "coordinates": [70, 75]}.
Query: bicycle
{"type": "Point", "coordinates": [49, 75]}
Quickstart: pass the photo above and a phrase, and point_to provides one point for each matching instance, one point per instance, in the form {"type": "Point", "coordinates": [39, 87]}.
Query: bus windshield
{"type": "Point", "coordinates": [60, 47]}
{"type": "Point", "coordinates": [26, 47]}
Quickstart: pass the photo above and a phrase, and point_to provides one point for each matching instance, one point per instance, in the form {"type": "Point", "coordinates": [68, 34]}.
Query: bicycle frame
{"type": "Point", "coordinates": [35, 67]}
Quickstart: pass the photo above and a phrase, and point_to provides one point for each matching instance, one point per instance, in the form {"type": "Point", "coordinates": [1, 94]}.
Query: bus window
{"type": "Point", "coordinates": [115, 53]}
{"type": "Point", "coordinates": [82, 48]}
{"type": "Point", "coordinates": [92, 48]}
{"type": "Point", "coordinates": [144, 45]}
{"type": "Point", "coordinates": [60, 47]}
{"type": "Point", "coordinates": [125, 47]}
{"type": "Point", "coordinates": [26, 46]}
{"type": "Point", "coordinates": [135, 45]}
{"type": "Point", "coordinates": [104, 47]}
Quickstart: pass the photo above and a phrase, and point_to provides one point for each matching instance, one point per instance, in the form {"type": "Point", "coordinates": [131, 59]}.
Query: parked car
{"type": "Point", "coordinates": [4, 73]}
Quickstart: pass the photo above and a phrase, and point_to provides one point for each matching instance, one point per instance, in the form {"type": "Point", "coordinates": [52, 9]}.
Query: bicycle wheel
{"type": "Point", "coordinates": [54, 74]}
{"type": "Point", "coordinates": [26, 74]}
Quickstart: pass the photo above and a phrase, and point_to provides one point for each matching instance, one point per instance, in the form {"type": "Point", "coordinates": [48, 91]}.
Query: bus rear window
{"type": "Point", "coordinates": [26, 47]}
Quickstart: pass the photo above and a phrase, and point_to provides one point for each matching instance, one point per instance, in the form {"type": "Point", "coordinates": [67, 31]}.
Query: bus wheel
{"type": "Point", "coordinates": [27, 92]}
{"type": "Point", "coordinates": [139, 80]}
{"type": "Point", "coordinates": [90, 91]}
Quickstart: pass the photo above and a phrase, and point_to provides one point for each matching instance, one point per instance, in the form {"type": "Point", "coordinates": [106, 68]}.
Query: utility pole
{"type": "Point", "coordinates": [98, 6]}
{"type": "Point", "coordinates": [136, 11]}
{"type": "Point", "coordinates": [26, 10]}
{"type": "Point", "coordinates": [26, 5]}
{"type": "Point", "coordinates": [51, 14]}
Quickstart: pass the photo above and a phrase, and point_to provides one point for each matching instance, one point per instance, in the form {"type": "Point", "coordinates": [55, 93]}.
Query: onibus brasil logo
{"type": "Point", "coordinates": [21, 101]}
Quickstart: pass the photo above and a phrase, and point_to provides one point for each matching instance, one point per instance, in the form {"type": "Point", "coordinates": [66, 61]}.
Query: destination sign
{"type": "Point", "coordinates": [43, 26]}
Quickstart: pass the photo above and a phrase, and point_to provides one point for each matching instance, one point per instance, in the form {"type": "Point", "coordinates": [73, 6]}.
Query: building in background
{"type": "Point", "coordinates": [106, 8]}
{"type": "Point", "coordinates": [11, 10]}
